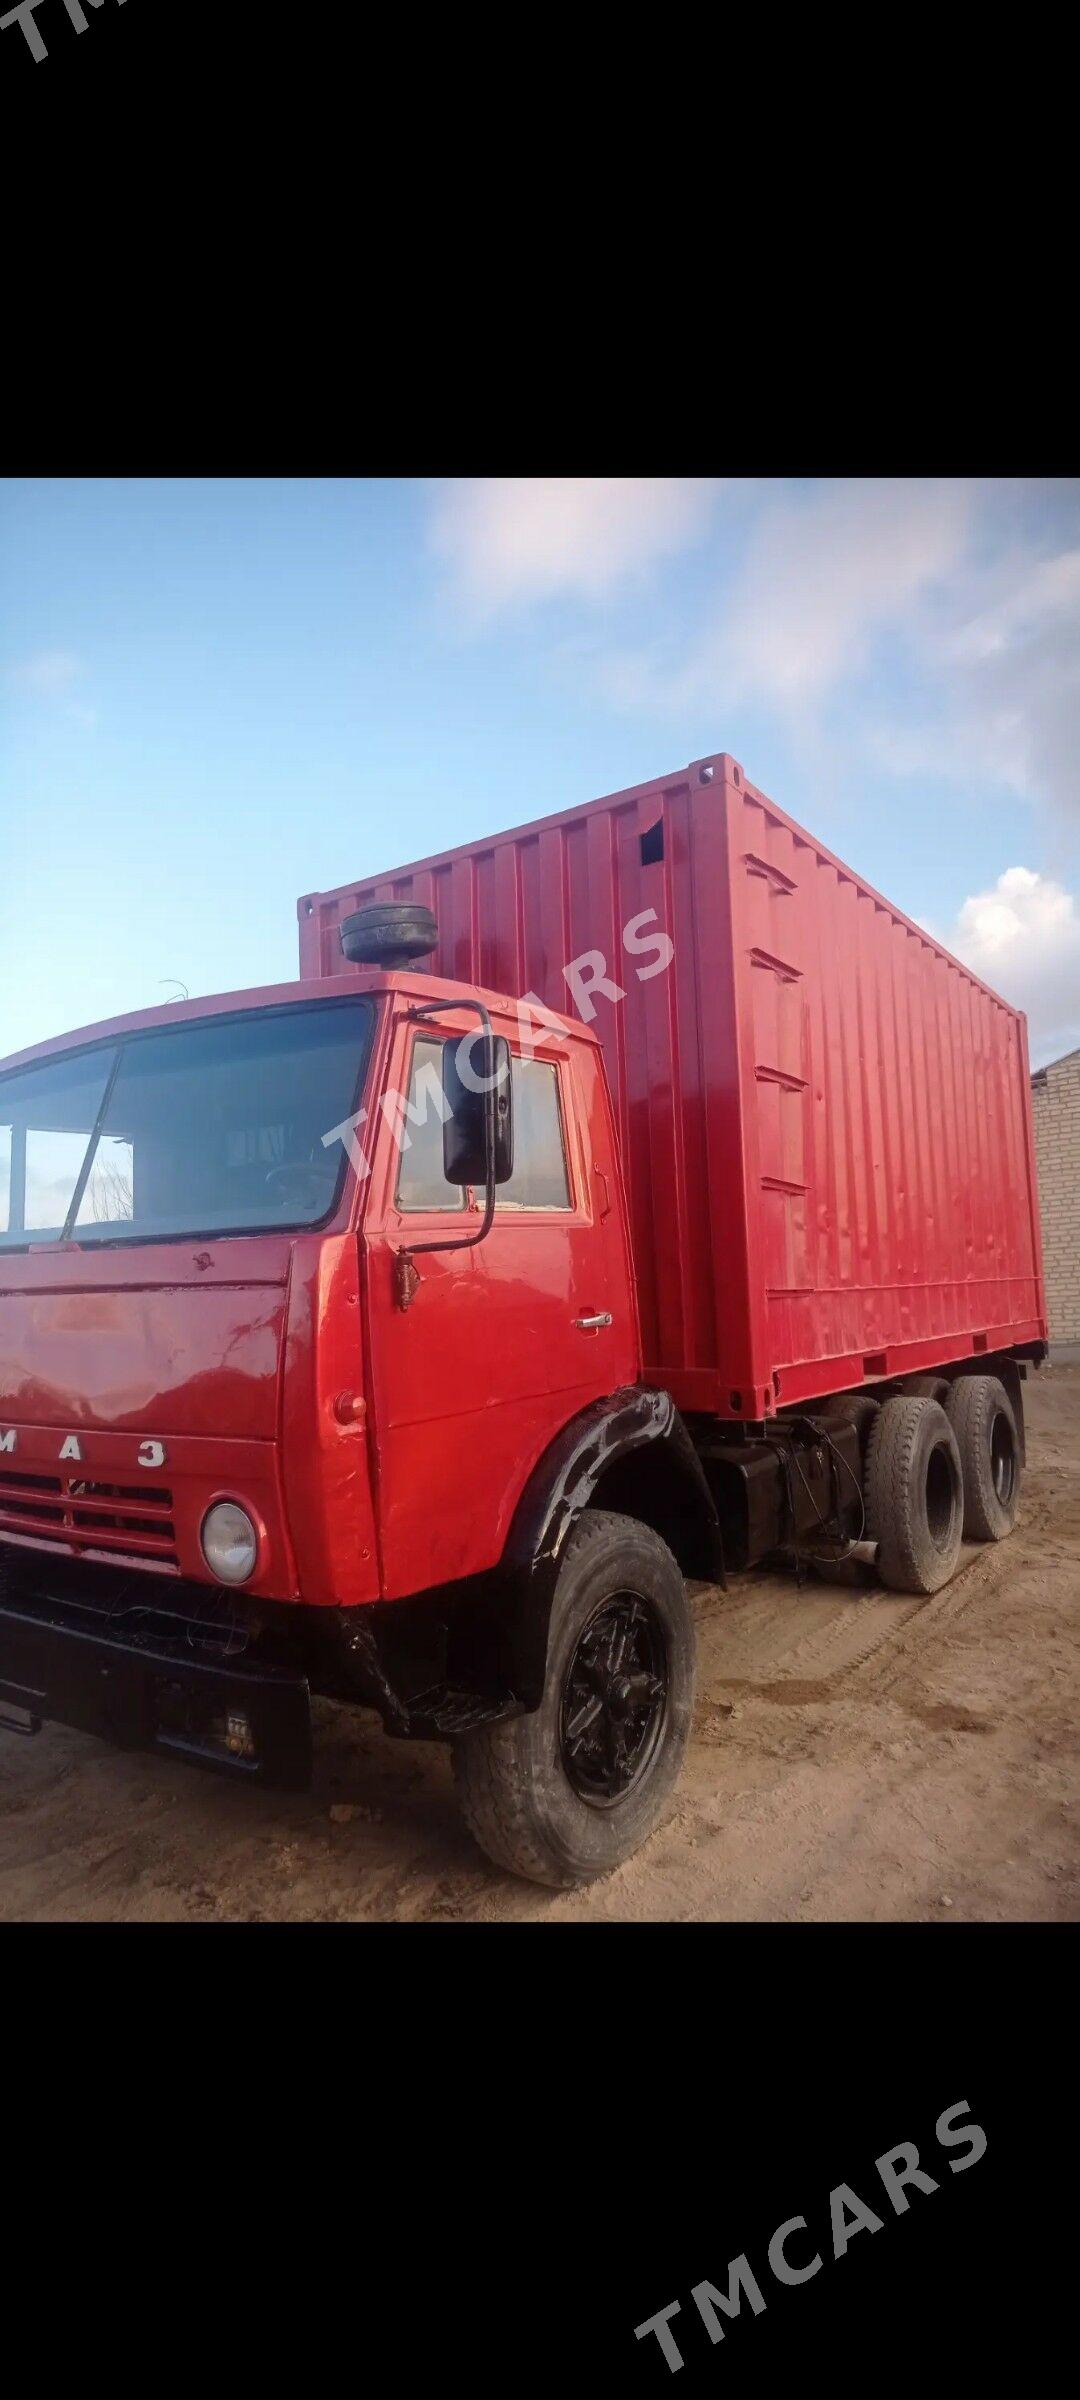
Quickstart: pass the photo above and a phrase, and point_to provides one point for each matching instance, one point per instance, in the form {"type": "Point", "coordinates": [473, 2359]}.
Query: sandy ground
{"type": "Point", "coordinates": [854, 1756]}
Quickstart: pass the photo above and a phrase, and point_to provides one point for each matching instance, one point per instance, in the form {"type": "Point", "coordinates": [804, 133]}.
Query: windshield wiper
{"type": "Point", "coordinates": [83, 1176]}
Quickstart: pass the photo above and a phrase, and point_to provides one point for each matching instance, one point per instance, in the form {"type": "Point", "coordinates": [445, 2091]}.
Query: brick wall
{"type": "Point", "coordinates": [1055, 1095]}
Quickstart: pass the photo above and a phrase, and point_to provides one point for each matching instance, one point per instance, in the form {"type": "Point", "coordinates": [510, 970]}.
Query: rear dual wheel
{"type": "Point", "coordinates": [854, 1408]}
{"type": "Point", "coordinates": [928, 1387]}
{"type": "Point", "coordinates": [984, 1422]}
{"type": "Point", "coordinates": [941, 1464]}
{"type": "Point", "coordinates": [914, 1495]}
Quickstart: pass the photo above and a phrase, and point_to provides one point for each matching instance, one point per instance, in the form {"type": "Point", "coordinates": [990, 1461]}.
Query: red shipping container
{"type": "Point", "coordinates": [825, 1119]}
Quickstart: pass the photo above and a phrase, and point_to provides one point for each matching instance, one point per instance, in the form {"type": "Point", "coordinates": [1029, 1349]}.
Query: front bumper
{"type": "Point", "coordinates": [96, 1657]}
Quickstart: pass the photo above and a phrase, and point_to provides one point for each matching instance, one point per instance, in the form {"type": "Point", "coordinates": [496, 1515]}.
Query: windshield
{"type": "Point", "coordinates": [207, 1128]}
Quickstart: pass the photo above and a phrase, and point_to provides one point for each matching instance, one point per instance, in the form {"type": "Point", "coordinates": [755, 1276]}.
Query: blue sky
{"type": "Point", "coordinates": [218, 695]}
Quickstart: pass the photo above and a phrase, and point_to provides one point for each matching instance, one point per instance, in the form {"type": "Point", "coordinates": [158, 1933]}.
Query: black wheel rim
{"type": "Point", "coordinates": [614, 1700]}
{"type": "Point", "coordinates": [1002, 1458]}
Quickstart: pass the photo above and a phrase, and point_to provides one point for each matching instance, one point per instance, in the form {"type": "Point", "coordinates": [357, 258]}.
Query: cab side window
{"type": "Point", "coordinates": [540, 1178]}
{"type": "Point", "coordinates": [421, 1183]}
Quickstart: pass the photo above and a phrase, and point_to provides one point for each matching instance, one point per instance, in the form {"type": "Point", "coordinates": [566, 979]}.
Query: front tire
{"type": "Point", "coordinates": [565, 1794]}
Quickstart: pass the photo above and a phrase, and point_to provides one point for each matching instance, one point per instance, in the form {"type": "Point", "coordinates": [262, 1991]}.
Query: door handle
{"type": "Point", "coordinates": [593, 1324]}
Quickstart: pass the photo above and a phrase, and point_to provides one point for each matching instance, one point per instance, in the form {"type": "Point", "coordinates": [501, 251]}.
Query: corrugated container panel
{"type": "Point", "coordinates": [824, 1119]}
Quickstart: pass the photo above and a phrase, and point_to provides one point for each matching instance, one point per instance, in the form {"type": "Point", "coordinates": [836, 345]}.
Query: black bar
{"type": "Point", "coordinates": [144, 1692]}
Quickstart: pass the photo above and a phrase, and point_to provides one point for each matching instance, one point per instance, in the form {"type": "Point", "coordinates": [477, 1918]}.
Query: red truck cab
{"type": "Point", "coordinates": [271, 1360]}
{"type": "Point", "coordinates": [239, 1296]}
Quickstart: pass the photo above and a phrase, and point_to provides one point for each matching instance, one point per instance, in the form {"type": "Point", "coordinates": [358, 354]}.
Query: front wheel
{"type": "Point", "coordinates": [570, 1791]}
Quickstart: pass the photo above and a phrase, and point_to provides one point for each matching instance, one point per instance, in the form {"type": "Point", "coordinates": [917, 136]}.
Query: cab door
{"type": "Point", "coordinates": [502, 1343]}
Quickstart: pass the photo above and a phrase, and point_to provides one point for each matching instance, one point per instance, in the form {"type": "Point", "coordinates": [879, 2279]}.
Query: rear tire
{"type": "Point", "coordinates": [984, 1421]}
{"type": "Point", "coordinates": [565, 1794]}
{"type": "Point", "coordinates": [928, 1387]}
{"type": "Point", "coordinates": [855, 1408]}
{"type": "Point", "coordinates": [914, 1495]}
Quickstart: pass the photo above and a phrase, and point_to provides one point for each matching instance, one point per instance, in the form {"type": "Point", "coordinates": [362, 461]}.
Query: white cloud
{"type": "Point", "coordinates": [1023, 603]}
{"type": "Point", "coordinates": [831, 600]}
{"type": "Point", "coordinates": [1023, 938]}
{"type": "Point", "coordinates": [824, 575]}
{"type": "Point", "coordinates": [48, 675]}
{"type": "Point", "coordinates": [985, 620]}
{"type": "Point", "coordinates": [825, 572]}
{"type": "Point", "coordinates": [1013, 676]}
{"type": "Point", "coordinates": [510, 539]}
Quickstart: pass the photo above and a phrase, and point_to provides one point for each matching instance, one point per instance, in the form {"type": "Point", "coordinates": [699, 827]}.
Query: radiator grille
{"type": "Point", "coordinates": [88, 1518]}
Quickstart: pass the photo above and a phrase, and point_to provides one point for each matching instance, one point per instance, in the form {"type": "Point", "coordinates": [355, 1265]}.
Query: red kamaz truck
{"type": "Point", "coordinates": [410, 1336]}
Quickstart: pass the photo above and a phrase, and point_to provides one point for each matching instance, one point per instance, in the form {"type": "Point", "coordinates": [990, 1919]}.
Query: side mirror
{"type": "Point", "coordinates": [478, 1107]}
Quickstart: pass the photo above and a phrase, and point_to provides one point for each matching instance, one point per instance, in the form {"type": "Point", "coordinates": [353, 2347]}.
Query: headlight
{"type": "Point", "coordinates": [229, 1541]}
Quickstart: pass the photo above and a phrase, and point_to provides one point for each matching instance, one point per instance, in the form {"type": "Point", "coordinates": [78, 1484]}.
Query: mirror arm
{"type": "Point", "coordinates": [406, 1279]}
